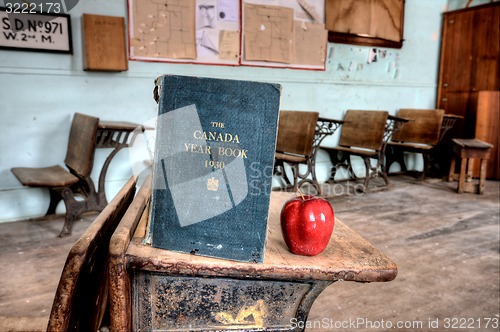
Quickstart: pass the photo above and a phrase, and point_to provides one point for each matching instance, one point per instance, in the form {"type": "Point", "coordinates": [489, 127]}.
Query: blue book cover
{"type": "Point", "coordinates": [213, 166]}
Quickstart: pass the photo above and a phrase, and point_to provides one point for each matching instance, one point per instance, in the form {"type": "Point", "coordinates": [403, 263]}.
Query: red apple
{"type": "Point", "coordinates": [307, 224]}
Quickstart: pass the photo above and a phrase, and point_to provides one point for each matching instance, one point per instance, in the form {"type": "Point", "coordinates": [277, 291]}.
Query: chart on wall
{"type": "Point", "coordinates": [284, 33]}
{"type": "Point", "coordinates": [197, 31]}
{"type": "Point", "coordinates": [269, 33]}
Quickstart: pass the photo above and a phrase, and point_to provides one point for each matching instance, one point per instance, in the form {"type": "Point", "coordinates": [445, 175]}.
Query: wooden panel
{"type": "Point", "coordinates": [296, 132]}
{"type": "Point", "coordinates": [470, 56]}
{"type": "Point", "coordinates": [456, 51]}
{"type": "Point", "coordinates": [457, 103]}
{"type": "Point", "coordinates": [487, 127]}
{"type": "Point", "coordinates": [119, 280]}
{"type": "Point", "coordinates": [81, 298]}
{"type": "Point", "coordinates": [372, 23]}
{"type": "Point", "coordinates": [104, 43]}
{"type": "Point", "coordinates": [81, 144]}
{"type": "Point", "coordinates": [363, 129]}
{"type": "Point", "coordinates": [486, 50]}
{"type": "Point", "coordinates": [424, 126]}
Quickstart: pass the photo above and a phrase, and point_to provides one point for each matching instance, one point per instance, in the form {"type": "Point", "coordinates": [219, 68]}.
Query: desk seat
{"type": "Point", "coordinates": [362, 135]}
{"type": "Point", "coordinates": [290, 158]}
{"type": "Point", "coordinates": [75, 182]}
{"type": "Point", "coordinates": [53, 176]}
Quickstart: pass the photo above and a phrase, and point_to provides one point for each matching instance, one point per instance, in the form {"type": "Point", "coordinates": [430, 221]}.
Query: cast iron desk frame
{"type": "Point", "coordinates": [115, 135]}
{"type": "Point", "coordinates": [159, 289]}
{"type": "Point", "coordinates": [447, 124]}
{"type": "Point", "coordinates": [324, 127]}
{"type": "Point", "coordinates": [393, 124]}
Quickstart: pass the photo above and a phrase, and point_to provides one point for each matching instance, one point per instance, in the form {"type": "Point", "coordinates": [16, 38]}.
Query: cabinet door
{"type": "Point", "coordinates": [487, 128]}
{"type": "Point", "coordinates": [485, 62]}
{"type": "Point", "coordinates": [469, 60]}
{"type": "Point", "coordinates": [456, 54]}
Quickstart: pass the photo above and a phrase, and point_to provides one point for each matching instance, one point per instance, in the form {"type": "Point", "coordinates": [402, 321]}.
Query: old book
{"type": "Point", "coordinates": [213, 166]}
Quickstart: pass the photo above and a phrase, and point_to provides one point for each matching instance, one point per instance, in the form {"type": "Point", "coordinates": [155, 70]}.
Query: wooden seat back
{"type": "Point", "coordinates": [120, 291]}
{"type": "Point", "coordinates": [364, 129]}
{"type": "Point", "coordinates": [81, 144]}
{"type": "Point", "coordinates": [296, 132]}
{"type": "Point", "coordinates": [424, 126]}
{"type": "Point", "coordinates": [82, 294]}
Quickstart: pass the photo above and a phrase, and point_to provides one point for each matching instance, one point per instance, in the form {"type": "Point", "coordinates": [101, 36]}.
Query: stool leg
{"type": "Point", "coordinates": [470, 169]}
{"type": "Point", "coordinates": [482, 177]}
{"type": "Point", "coordinates": [461, 178]}
{"type": "Point", "coordinates": [452, 169]}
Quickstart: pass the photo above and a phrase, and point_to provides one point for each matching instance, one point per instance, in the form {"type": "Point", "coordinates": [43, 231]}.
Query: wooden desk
{"type": "Point", "coordinates": [159, 289]}
{"type": "Point", "coordinates": [324, 127]}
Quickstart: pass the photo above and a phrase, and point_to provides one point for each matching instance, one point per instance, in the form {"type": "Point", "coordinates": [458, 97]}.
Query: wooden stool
{"type": "Point", "coordinates": [468, 150]}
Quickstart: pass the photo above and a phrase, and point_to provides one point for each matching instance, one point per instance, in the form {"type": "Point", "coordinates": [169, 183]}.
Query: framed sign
{"type": "Point", "coordinates": [33, 31]}
{"type": "Point", "coordinates": [368, 23]}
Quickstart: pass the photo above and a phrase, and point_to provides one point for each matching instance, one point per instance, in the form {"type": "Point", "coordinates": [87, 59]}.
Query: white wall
{"type": "Point", "coordinates": [40, 92]}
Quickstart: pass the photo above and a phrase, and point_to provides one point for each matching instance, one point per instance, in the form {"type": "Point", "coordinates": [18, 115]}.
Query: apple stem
{"type": "Point", "coordinates": [301, 194]}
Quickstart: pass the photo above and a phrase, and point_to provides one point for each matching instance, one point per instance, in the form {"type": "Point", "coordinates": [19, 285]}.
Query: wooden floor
{"type": "Point", "coordinates": [446, 245]}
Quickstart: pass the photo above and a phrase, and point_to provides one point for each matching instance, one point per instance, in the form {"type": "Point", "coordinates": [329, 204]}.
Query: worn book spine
{"type": "Point", "coordinates": [213, 166]}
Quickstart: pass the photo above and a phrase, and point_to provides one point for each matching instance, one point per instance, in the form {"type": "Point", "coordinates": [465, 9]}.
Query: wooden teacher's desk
{"type": "Point", "coordinates": [155, 289]}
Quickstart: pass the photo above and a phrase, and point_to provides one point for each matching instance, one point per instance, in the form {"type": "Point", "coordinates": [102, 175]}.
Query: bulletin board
{"type": "Point", "coordinates": [193, 31]}
{"type": "Point", "coordinates": [284, 33]}
{"type": "Point", "coordinates": [269, 33]}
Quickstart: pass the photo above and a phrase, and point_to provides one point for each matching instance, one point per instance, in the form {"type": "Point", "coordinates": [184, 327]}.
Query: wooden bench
{"type": "Point", "coordinates": [420, 135]}
{"type": "Point", "coordinates": [75, 181]}
{"type": "Point", "coordinates": [362, 135]}
{"type": "Point", "coordinates": [294, 146]}
{"type": "Point", "coordinates": [81, 299]}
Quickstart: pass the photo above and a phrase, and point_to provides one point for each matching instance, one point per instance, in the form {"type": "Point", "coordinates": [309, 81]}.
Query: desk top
{"type": "Point", "coordinates": [397, 118]}
{"type": "Point", "coordinates": [472, 143]}
{"type": "Point", "coordinates": [121, 125]}
{"type": "Point", "coordinates": [348, 257]}
{"type": "Point", "coordinates": [118, 125]}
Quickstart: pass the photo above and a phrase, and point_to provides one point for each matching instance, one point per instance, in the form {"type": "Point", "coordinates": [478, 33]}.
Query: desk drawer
{"type": "Point", "coordinates": [173, 303]}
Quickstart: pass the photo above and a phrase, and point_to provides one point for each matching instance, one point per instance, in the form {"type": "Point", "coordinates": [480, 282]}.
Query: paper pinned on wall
{"type": "Point", "coordinates": [206, 16]}
{"type": "Point", "coordinates": [228, 10]}
{"type": "Point", "coordinates": [309, 43]}
{"type": "Point", "coordinates": [310, 10]}
{"type": "Point", "coordinates": [181, 31]}
{"type": "Point", "coordinates": [164, 30]}
{"type": "Point", "coordinates": [229, 45]}
{"type": "Point", "coordinates": [224, 32]}
{"type": "Point", "coordinates": [207, 40]}
{"type": "Point", "coordinates": [372, 55]}
{"type": "Point", "coordinates": [268, 33]}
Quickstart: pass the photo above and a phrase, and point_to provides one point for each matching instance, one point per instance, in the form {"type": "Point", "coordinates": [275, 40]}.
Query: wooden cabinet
{"type": "Point", "coordinates": [487, 127]}
{"type": "Point", "coordinates": [469, 63]}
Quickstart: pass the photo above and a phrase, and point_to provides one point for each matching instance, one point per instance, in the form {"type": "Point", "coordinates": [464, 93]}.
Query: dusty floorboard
{"type": "Point", "coordinates": [31, 260]}
{"type": "Point", "coordinates": [446, 246]}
